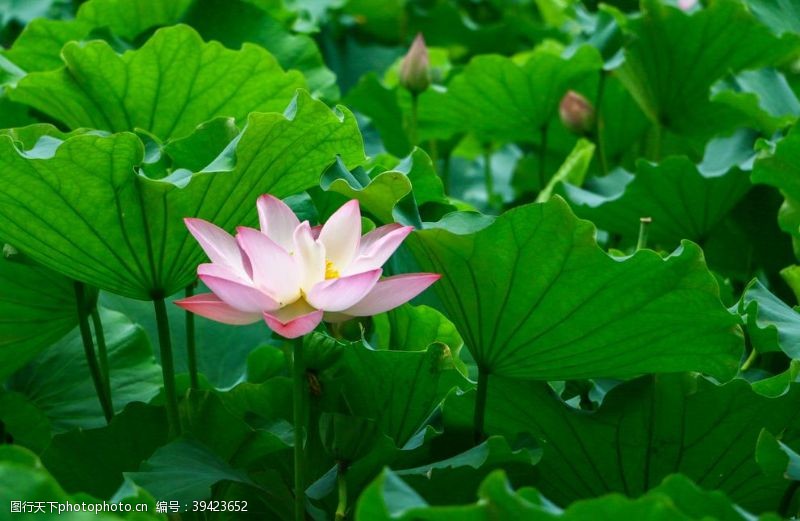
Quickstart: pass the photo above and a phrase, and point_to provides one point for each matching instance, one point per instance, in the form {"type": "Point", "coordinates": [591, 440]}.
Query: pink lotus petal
{"type": "Point", "coordinates": [233, 291]}
{"type": "Point", "coordinates": [294, 320]}
{"type": "Point", "coordinates": [377, 246]}
{"type": "Point", "coordinates": [210, 306]}
{"type": "Point", "coordinates": [392, 292]}
{"type": "Point", "coordinates": [310, 257]}
{"type": "Point", "coordinates": [341, 234]}
{"type": "Point", "coordinates": [277, 220]}
{"type": "Point", "coordinates": [274, 269]}
{"type": "Point", "coordinates": [343, 292]}
{"type": "Point", "coordinates": [218, 244]}
{"type": "Point", "coordinates": [378, 233]}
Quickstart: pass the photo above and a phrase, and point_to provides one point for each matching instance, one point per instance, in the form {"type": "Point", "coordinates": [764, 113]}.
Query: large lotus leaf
{"type": "Point", "coordinates": [499, 99]}
{"type": "Point", "coordinates": [24, 478]}
{"type": "Point", "coordinates": [92, 460]}
{"type": "Point", "coordinates": [184, 471]}
{"type": "Point", "coordinates": [129, 18]}
{"type": "Point", "coordinates": [683, 201]}
{"type": "Point", "coordinates": [771, 324]}
{"type": "Point", "coordinates": [674, 58]}
{"type": "Point", "coordinates": [57, 381]}
{"type": "Point", "coordinates": [534, 297]}
{"type": "Point", "coordinates": [644, 430]}
{"type": "Point", "coordinates": [38, 47]}
{"type": "Point", "coordinates": [37, 307]}
{"type": "Point", "coordinates": [776, 458]}
{"type": "Point", "coordinates": [388, 497]}
{"type": "Point", "coordinates": [779, 15]}
{"type": "Point", "coordinates": [85, 212]}
{"type": "Point", "coordinates": [232, 23]}
{"type": "Point", "coordinates": [24, 422]}
{"type": "Point", "coordinates": [222, 351]}
{"type": "Point", "coordinates": [778, 167]}
{"type": "Point", "coordinates": [167, 87]}
{"type": "Point", "coordinates": [391, 192]}
{"type": "Point", "coordinates": [398, 389]}
{"type": "Point", "coordinates": [468, 468]}
{"type": "Point", "coordinates": [762, 96]}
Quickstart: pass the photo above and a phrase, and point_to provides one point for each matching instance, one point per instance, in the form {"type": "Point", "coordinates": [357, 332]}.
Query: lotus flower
{"type": "Point", "coordinates": [415, 67]}
{"type": "Point", "coordinates": [576, 112]}
{"type": "Point", "coordinates": [293, 276]}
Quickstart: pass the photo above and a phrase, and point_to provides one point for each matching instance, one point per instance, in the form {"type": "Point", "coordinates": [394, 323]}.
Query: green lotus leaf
{"type": "Point", "coordinates": [771, 324]}
{"type": "Point", "coordinates": [534, 297]}
{"type": "Point", "coordinates": [231, 22]}
{"type": "Point", "coordinates": [776, 458]}
{"type": "Point", "coordinates": [502, 99]}
{"type": "Point", "coordinates": [24, 478]}
{"type": "Point", "coordinates": [777, 166]}
{"type": "Point", "coordinates": [683, 201]}
{"type": "Point", "coordinates": [37, 307]}
{"type": "Point", "coordinates": [674, 58]}
{"type": "Point", "coordinates": [85, 212]}
{"type": "Point", "coordinates": [57, 380]}
{"type": "Point", "coordinates": [167, 87]}
{"type": "Point", "coordinates": [184, 471]}
{"type": "Point", "coordinates": [644, 430]}
{"type": "Point", "coordinates": [677, 498]}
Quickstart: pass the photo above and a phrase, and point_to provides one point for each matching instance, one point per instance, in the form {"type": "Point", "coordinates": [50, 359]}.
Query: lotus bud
{"type": "Point", "coordinates": [415, 68]}
{"type": "Point", "coordinates": [576, 113]}
{"type": "Point", "coordinates": [686, 5]}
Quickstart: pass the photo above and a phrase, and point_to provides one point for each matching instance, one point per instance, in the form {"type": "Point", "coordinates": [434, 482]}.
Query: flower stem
{"type": "Point", "coordinates": [412, 127]}
{"type": "Point", "coordinates": [191, 344]}
{"type": "Point", "coordinates": [88, 350]}
{"type": "Point", "coordinates": [480, 404]}
{"type": "Point", "coordinates": [655, 153]}
{"type": "Point", "coordinates": [102, 355]}
{"type": "Point", "coordinates": [298, 406]}
{"type": "Point", "coordinates": [600, 124]}
{"type": "Point", "coordinates": [341, 480]}
{"type": "Point", "coordinates": [487, 175]}
{"type": "Point", "coordinates": [543, 158]}
{"type": "Point", "coordinates": [750, 359]}
{"type": "Point", "coordinates": [167, 365]}
{"type": "Point", "coordinates": [644, 224]}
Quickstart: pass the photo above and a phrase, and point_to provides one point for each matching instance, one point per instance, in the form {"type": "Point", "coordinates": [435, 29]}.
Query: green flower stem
{"type": "Point", "coordinates": [446, 173]}
{"type": "Point", "coordinates": [298, 406]}
{"type": "Point", "coordinates": [543, 157]}
{"type": "Point", "coordinates": [488, 177]}
{"type": "Point", "coordinates": [655, 153]}
{"type": "Point", "coordinates": [341, 481]}
{"type": "Point", "coordinates": [102, 355]}
{"type": "Point", "coordinates": [88, 349]}
{"type": "Point", "coordinates": [480, 405]}
{"type": "Point", "coordinates": [191, 343]}
{"type": "Point", "coordinates": [412, 127]}
{"type": "Point", "coordinates": [167, 365]}
{"type": "Point", "coordinates": [600, 125]}
{"type": "Point", "coordinates": [750, 359]}
{"type": "Point", "coordinates": [644, 225]}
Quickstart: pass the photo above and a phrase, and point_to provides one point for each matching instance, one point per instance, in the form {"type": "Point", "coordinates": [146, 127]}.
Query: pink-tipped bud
{"type": "Point", "coordinates": [686, 5]}
{"type": "Point", "coordinates": [415, 68]}
{"type": "Point", "coordinates": [577, 114]}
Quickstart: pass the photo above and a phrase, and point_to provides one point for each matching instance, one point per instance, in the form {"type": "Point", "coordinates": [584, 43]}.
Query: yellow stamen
{"type": "Point", "coordinates": [330, 271]}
